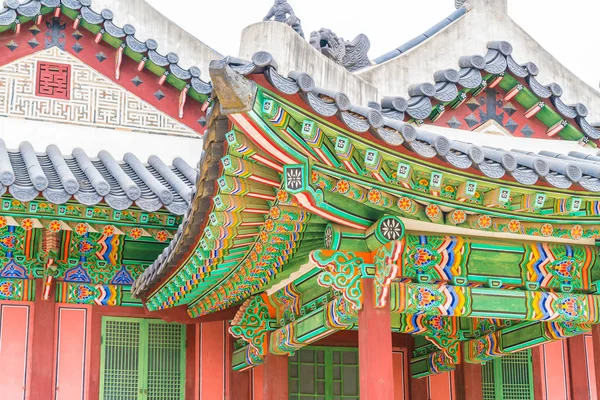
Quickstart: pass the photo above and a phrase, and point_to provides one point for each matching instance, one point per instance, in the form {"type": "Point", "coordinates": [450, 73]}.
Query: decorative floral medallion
{"type": "Point", "coordinates": [484, 222]}
{"type": "Point", "coordinates": [342, 186]}
{"type": "Point", "coordinates": [54, 226]}
{"type": "Point", "coordinates": [283, 196]}
{"type": "Point", "coordinates": [458, 217]}
{"type": "Point", "coordinates": [81, 229]}
{"type": "Point", "coordinates": [547, 230]}
{"type": "Point", "coordinates": [374, 196]}
{"type": "Point", "coordinates": [275, 212]}
{"type": "Point", "coordinates": [391, 228]}
{"type": "Point", "coordinates": [136, 233]}
{"type": "Point", "coordinates": [405, 204]}
{"type": "Point", "coordinates": [433, 211]}
{"type": "Point", "coordinates": [577, 232]}
{"type": "Point", "coordinates": [27, 224]}
{"type": "Point", "coordinates": [162, 236]}
{"type": "Point", "coordinates": [514, 226]}
{"type": "Point", "coordinates": [269, 225]}
{"type": "Point", "coordinates": [108, 230]}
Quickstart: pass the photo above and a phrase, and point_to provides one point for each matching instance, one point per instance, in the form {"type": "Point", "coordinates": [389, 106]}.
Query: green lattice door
{"type": "Point", "coordinates": [324, 373]}
{"type": "Point", "coordinates": [142, 359]}
{"type": "Point", "coordinates": [509, 377]}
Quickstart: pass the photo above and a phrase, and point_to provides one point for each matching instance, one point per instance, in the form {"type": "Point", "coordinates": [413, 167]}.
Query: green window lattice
{"type": "Point", "coordinates": [142, 359]}
{"type": "Point", "coordinates": [324, 373]}
{"type": "Point", "coordinates": [509, 377]}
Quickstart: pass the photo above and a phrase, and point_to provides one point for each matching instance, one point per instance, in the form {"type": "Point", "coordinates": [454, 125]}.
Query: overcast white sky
{"type": "Point", "coordinates": [568, 29]}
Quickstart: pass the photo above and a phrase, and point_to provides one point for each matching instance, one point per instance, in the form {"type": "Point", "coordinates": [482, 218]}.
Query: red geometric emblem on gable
{"type": "Point", "coordinates": [53, 80]}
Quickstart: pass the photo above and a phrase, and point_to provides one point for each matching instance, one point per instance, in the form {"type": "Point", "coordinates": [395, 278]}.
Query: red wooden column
{"type": "Point", "coordinates": [468, 381]}
{"type": "Point", "coordinates": [539, 374]}
{"type": "Point", "coordinates": [419, 389]}
{"type": "Point", "coordinates": [596, 346]}
{"type": "Point", "coordinates": [275, 377]}
{"type": "Point", "coordinates": [42, 345]}
{"type": "Point", "coordinates": [213, 360]}
{"type": "Point", "coordinates": [239, 382]}
{"type": "Point", "coordinates": [578, 368]}
{"type": "Point", "coordinates": [375, 360]}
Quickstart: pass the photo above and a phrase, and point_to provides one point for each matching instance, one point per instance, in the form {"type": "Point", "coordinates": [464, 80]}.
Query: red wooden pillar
{"type": "Point", "coordinates": [419, 389]}
{"type": "Point", "coordinates": [213, 357]}
{"type": "Point", "coordinates": [42, 345]}
{"type": "Point", "coordinates": [275, 377]}
{"type": "Point", "coordinates": [468, 381]}
{"type": "Point", "coordinates": [239, 382]}
{"type": "Point", "coordinates": [539, 374]}
{"type": "Point", "coordinates": [596, 347]}
{"type": "Point", "coordinates": [375, 360]}
{"type": "Point", "coordinates": [578, 368]}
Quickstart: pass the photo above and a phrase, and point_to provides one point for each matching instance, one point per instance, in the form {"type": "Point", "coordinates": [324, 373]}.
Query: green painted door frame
{"type": "Point", "coordinates": [142, 359]}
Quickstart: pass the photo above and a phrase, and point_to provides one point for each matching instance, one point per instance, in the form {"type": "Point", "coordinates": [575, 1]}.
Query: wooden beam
{"type": "Point", "coordinates": [375, 348]}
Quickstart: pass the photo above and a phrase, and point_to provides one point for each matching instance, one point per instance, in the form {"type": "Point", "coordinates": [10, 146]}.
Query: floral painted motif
{"type": "Point", "coordinates": [547, 230]}
{"type": "Point", "coordinates": [3, 222]}
{"type": "Point", "coordinates": [484, 221]}
{"type": "Point", "coordinates": [269, 225]}
{"type": "Point", "coordinates": [374, 196]}
{"type": "Point", "coordinates": [162, 236]}
{"type": "Point", "coordinates": [577, 232]}
{"type": "Point", "coordinates": [458, 216]}
{"type": "Point", "coordinates": [136, 233]}
{"type": "Point", "coordinates": [514, 226]}
{"type": "Point", "coordinates": [342, 186]}
{"type": "Point", "coordinates": [108, 230]}
{"type": "Point", "coordinates": [54, 226]}
{"type": "Point", "coordinates": [405, 204]}
{"type": "Point", "coordinates": [275, 212]}
{"type": "Point", "coordinates": [27, 224]}
{"type": "Point", "coordinates": [283, 196]}
{"type": "Point", "coordinates": [81, 229]}
{"type": "Point", "coordinates": [433, 211]}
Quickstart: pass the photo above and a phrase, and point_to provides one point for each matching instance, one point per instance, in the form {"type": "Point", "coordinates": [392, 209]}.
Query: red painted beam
{"type": "Point", "coordinates": [375, 348]}
{"type": "Point", "coordinates": [42, 344]}
{"type": "Point", "coordinates": [468, 381]}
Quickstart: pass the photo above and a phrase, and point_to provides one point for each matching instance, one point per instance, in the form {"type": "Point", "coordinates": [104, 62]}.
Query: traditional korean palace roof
{"type": "Point", "coordinates": [399, 122]}
{"type": "Point", "coordinates": [26, 175]}
{"type": "Point", "coordinates": [302, 194]}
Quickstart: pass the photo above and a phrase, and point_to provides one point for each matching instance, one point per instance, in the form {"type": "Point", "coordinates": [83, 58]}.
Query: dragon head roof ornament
{"type": "Point", "coordinates": [284, 13]}
{"type": "Point", "coordinates": [350, 54]}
